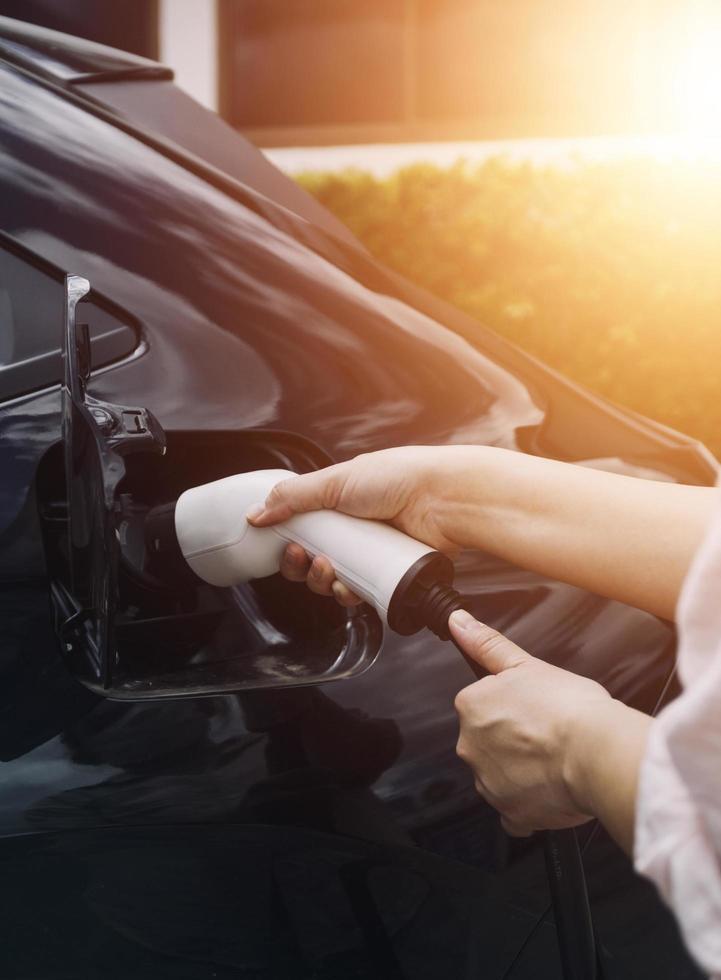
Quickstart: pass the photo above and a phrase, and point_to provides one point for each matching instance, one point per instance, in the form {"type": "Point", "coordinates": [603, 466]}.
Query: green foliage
{"type": "Point", "coordinates": [609, 272]}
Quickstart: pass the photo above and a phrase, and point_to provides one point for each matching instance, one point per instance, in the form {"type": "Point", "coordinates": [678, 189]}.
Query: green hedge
{"type": "Point", "coordinates": [610, 272]}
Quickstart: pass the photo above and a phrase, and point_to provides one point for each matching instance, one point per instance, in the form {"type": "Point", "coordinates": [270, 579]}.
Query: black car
{"type": "Point", "coordinates": [201, 782]}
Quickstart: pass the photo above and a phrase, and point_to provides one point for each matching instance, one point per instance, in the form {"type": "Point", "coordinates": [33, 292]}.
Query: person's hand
{"type": "Point", "coordinates": [400, 486]}
{"type": "Point", "coordinates": [519, 728]}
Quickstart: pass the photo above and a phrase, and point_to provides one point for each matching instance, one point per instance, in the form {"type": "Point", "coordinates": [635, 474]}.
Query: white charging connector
{"type": "Point", "coordinates": [406, 581]}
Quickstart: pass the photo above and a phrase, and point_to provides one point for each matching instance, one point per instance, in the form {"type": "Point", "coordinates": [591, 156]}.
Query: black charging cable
{"type": "Point", "coordinates": [567, 886]}
{"type": "Point", "coordinates": [428, 598]}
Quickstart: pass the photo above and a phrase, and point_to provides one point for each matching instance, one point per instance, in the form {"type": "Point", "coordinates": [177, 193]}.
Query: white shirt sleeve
{"type": "Point", "coordinates": [678, 814]}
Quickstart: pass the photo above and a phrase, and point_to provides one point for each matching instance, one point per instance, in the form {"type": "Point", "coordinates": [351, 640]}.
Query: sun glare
{"type": "Point", "coordinates": [685, 80]}
{"type": "Point", "coordinates": [698, 80]}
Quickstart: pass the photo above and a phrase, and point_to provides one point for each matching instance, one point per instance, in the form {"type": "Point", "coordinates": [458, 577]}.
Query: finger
{"type": "Point", "coordinates": [311, 491]}
{"type": "Point", "coordinates": [490, 649]}
{"type": "Point", "coordinates": [344, 596]}
{"type": "Point", "coordinates": [321, 576]}
{"type": "Point", "coordinates": [295, 563]}
{"type": "Point", "coordinates": [515, 828]}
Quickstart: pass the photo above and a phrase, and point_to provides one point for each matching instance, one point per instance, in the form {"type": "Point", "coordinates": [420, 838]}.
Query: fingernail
{"type": "Point", "coordinates": [315, 572]}
{"type": "Point", "coordinates": [338, 590]}
{"type": "Point", "coordinates": [254, 512]}
{"type": "Point", "coordinates": [462, 620]}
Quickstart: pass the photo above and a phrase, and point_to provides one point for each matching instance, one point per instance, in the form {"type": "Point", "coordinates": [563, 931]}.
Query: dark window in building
{"type": "Point", "coordinates": [312, 62]}
{"type": "Point", "coordinates": [521, 60]}
{"type": "Point", "coordinates": [377, 70]}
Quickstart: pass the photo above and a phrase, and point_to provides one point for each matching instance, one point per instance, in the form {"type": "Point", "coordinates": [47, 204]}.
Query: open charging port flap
{"type": "Point", "coordinates": [126, 629]}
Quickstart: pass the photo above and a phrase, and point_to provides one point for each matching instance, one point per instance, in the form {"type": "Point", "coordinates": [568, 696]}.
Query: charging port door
{"type": "Point", "coordinates": [96, 437]}
{"type": "Point", "coordinates": [132, 631]}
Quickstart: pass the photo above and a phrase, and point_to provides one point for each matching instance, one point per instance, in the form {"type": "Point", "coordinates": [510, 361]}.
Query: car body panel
{"type": "Point", "coordinates": [70, 60]}
{"type": "Point", "coordinates": [250, 324]}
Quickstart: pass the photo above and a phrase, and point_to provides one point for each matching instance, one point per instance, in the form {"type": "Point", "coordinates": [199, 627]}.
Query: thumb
{"type": "Point", "coordinates": [492, 650]}
{"type": "Point", "coordinates": [311, 491]}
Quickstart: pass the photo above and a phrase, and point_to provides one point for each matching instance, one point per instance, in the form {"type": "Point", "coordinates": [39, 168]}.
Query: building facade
{"type": "Point", "coordinates": [314, 72]}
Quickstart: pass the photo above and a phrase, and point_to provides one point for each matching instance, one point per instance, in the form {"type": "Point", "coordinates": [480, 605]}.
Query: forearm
{"type": "Point", "coordinates": [622, 537]}
{"type": "Point", "coordinates": [603, 764]}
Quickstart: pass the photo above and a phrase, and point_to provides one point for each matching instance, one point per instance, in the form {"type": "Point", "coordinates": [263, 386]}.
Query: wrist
{"type": "Point", "coordinates": [588, 737]}
{"type": "Point", "coordinates": [462, 490]}
{"type": "Point", "coordinates": [603, 766]}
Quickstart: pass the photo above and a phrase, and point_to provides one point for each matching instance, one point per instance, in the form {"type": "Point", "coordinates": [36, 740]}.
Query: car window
{"type": "Point", "coordinates": [31, 325]}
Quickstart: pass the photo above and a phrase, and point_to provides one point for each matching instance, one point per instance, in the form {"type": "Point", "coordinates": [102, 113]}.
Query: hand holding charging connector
{"type": "Point", "coordinates": [408, 583]}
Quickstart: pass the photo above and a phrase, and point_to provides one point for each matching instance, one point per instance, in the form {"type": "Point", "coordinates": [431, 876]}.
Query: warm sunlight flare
{"type": "Point", "coordinates": [694, 74]}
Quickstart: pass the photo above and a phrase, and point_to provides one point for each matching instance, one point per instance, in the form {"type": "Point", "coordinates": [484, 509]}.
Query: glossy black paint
{"type": "Point", "coordinates": [30, 354]}
{"type": "Point", "coordinates": [63, 57]}
{"type": "Point", "coordinates": [248, 324]}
